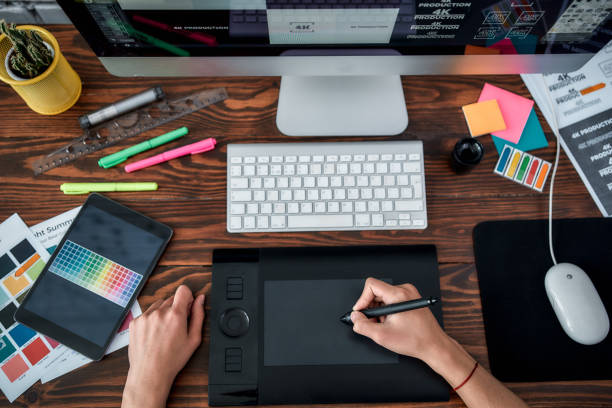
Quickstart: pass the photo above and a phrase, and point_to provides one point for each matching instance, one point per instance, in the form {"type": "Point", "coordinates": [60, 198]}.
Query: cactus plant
{"type": "Point", "coordinates": [30, 56]}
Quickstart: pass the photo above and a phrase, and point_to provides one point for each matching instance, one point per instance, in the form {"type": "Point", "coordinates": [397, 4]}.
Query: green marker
{"type": "Point", "coordinates": [86, 188]}
{"type": "Point", "coordinates": [122, 155]}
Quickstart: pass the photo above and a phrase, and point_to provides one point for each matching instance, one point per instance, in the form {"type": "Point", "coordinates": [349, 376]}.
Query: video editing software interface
{"type": "Point", "coordinates": [410, 27]}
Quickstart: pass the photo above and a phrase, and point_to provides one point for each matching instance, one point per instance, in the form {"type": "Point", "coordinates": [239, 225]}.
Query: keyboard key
{"type": "Point", "coordinates": [322, 181]}
{"type": "Point", "coordinates": [304, 159]}
{"type": "Point", "coordinates": [366, 193]}
{"type": "Point", "coordinates": [268, 182]}
{"type": "Point", "coordinates": [236, 171]}
{"type": "Point", "coordinates": [306, 208]}
{"type": "Point", "coordinates": [404, 223]}
{"type": "Point", "coordinates": [373, 157]}
{"type": "Point", "coordinates": [404, 216]}
{"type": "Point", "coordinates": [402, 180]}
{"type": "Point", "coordinates": [237, 209]}
{"type": "Point", "coordinates": [272, 195]}
{"type": "Point", "coordinates": [349, 181]}
{"type": "Point", "coordinates": [414, 205]}
{"type": "Point", "coordinates": [418, 191]}
{"type": "Point", "coordinates": [393, 192]}
{"type": "Point", "coordinates": [293, 208]}
{"type": "Point", "coordinates": [278, 221]}
{"type": "Point", "coordinates": [389, 180]}
{"type": "Point", "coordinates": [259, 195]}
{"type": "Point", "coordinates": [386, 157]}
{"type": "Point", "coordinates": [239, 183]}
{"type": "Point", "coordinates": [375, 181]}
{"type": "Point", "coordinates": [355, 168]}
{"type": "Point", "coordinates": [333, 207]}
{"type": "Point", "coordinates": [299, 195]}
{"type": "Point", "coordinates": [279, 208]}
{"type": "Point", "coordinates": [315, 169]}
{"type": "Point", "coordinates": [262, 221]}
{"type": "Point", "coordinates": [346, 207]}
{"type": "Point", "coordinates": [391, 223]}
{"type": "Point", "coordinates": [249, 159]}
{"type": "Point", "coordinates": [295, 182]}
{"type": "Point", "coordinates": [414, 156]}
{"type": "Point", "coordinates": [236, 160]}
{"type": "Point", "coordinates": [318, 159]}
{"type": "Point", "coordinates": [353, 193]}
{"type": "Point", "coordinates": [377, 220]}
{"type": "Point", "coordinates": [249, 222]}
{"type": "Point", "coordinates": [335, 181]}
{"type": "Point", "coordinates": [329, 168]}
{"type": "Point", "coordinates": [412, 167]}
{"type": "Point", "coordinates": [276, 170]}
{"type": "Point", "coordinates": [387, 205]}
{"type": "Point", "coordinates": [345, 157]}
{"type": "Point", "coordinates": [395, 168]}
{"type": "Point", "coordinates": [312, 195]}
{"type": "Point", "coordinates": [263, 159]}
{"type": "Point", "coordinates": [359, 157]}
{"type": "Point", "coordinates": [282, 182]}
{"type": "Point", "coordinates": [382, 168]}
{"type": "Point", "coordinates": [309, 182]}
{"type": "Point", "coordinates": [363, 181]}
{"type": "Point", "coordinates": [288, 169]}
{"type": "Point", "coordinates": [290, 159]}
{"type": "Point", "coordinates": [379, 193]}
{"type": "Point", "coordinates": [241, 195]}
{"type": "Point", "coordinates": [252, 208]}
{"type": "Point", "coordinates": [332, 158]}
{"type": "Point", "coordinates": [277, 159]}
{"type": "Point", "coordinates": [320, 207]}
{"type": "Point", "coordinates": [342, 168]}
{"type": "Point", "coordinates": [368, 168]}
{"type": "Point", "coordinates": [373, 206]}
{"type": "Point", "coordinates": [360, 206]}
{"type": "Point", "coordinates": [256, 182]}
{"type": "Point", "coordinates": [235, 222]}
{"type": "Point", "coordinates": [362, 220]}
{"type": "Point", "coordinates": [326, 194]}
{"type": "Point", "coordinates": [266, 208]}
{"type": "Point", "coordinates": [339, 194]}
{"type": "Point", "coordinates": [302, 169]}
{"type": "Point", "coordinates": [320, 221]}
{"type": "Point", "coordinates": [400, 157]}
{"type": "Point", "coordinates": [418, 222]}
{"type": "Point", "coordinates": [286, 195]}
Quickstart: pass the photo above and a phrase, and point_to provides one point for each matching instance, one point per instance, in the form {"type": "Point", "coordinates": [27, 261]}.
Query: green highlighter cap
{"type": "Point", "coordinates": [122, 155]}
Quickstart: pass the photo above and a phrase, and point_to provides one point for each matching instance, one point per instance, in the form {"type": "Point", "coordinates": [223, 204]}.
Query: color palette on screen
{"type": "Point", "coordinates": [522, 168]}
{"type": "Point", "coordinates": [95, 273]}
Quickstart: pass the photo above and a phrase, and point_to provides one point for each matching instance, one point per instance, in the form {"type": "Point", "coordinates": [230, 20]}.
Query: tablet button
{"type": "Point", "coordinates": [233, 360]}
{"type": "Point", "coordinates": [234, 322]}
{"type": "Point", "coordinates": [234, 288]}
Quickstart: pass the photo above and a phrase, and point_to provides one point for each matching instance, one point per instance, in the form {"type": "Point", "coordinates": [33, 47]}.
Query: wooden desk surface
{"type": "Point", "coordinates": [192, 200]}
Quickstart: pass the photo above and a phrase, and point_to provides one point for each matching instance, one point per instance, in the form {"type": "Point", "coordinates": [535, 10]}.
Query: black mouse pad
{"type": "Point", "coordinates": [524, 338]}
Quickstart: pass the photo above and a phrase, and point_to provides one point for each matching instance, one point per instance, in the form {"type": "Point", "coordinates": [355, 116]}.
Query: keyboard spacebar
{"type": "Point", "coordinates": [319, 221]}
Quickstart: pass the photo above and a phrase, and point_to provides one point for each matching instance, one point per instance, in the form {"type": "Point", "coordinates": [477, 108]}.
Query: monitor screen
{"type": "Point", "coordinates": [406, 27]}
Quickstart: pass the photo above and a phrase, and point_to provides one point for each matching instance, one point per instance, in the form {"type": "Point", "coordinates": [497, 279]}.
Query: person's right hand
{"type": "Point", "coordinates": [414, 333]}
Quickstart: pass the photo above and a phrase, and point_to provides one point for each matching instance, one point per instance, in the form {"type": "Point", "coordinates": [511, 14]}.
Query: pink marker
{"type": "Point", "coordinates": [194, 148]}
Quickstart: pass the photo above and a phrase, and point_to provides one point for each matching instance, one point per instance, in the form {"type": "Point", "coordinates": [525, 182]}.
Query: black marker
{"type": "Point", "coordinates": [391, 309]}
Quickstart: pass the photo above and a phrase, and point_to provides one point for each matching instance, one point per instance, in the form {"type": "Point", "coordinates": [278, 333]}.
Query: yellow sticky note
{"type": "Point", "coordinates": [484, 117]}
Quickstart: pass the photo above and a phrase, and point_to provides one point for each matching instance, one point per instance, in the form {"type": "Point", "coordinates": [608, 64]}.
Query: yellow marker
{"type": "Point", "coordinates": [514, 164]}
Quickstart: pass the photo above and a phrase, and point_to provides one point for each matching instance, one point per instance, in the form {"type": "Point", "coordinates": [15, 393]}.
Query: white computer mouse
{"type": "Point", "coordinates": [577, 304]}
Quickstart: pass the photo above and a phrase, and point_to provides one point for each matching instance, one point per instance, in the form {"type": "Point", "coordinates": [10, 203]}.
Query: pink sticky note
{"type": "Point", "coordinates": [514, 108]}
{"type": "Point", "coordinates": [505, 46]}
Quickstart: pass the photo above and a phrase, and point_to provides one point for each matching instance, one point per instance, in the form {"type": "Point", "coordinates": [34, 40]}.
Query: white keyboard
{"type": "Point", "coordinates": [325, 186]}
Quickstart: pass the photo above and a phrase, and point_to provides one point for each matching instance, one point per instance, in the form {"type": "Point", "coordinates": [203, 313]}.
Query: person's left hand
{"type": "Point", "coordinates": [162, 340]}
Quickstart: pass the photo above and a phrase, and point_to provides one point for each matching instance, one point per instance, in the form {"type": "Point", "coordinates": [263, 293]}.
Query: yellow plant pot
{"type": "Point", "coordinates": [52, 92]}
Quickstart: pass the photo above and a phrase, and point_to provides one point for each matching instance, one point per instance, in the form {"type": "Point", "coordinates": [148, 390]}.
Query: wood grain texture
{"type": "Point", "coordinates": [191, 199]}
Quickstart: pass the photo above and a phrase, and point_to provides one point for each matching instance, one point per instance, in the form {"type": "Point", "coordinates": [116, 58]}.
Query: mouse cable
{"type": "Point", "coordinates": [555, 129]}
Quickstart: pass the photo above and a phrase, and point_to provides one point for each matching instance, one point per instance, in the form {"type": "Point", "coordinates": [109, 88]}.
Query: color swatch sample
{"type": "Point", "coordinates": [483, 117]}
{"type": "Point", "coordinates": [514, 108]}
{"type": "Point", "coordinates": [532, 137]}
{"type": "Point", "coordinates": [23, 351]}
{"type": "Point", "coordinates": [95, 273]}
{"type": "Point", "coordinates": [522, 168]}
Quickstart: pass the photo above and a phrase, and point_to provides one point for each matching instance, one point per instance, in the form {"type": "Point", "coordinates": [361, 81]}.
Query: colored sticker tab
{"type": "Point", "coordinates": [542, 175]}
{"type": "Point", "coordinates": [21, 334]}
{"type": "Point", "coordinates": [6, 265]}
{"type": "Point", "coordinates": [503, 160]}
{"type": "Point", "coordinates": [23, 250]}
{"type": "Point", "coordinates": [533, 170]}
{"type": "Point", "coordinates": [522, 170]}
{"type": "Point", "coordinates": [514, 163]}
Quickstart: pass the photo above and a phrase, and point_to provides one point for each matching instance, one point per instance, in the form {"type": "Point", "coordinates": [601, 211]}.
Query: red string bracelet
{"type": "Point", "coordinates": [468, 377]}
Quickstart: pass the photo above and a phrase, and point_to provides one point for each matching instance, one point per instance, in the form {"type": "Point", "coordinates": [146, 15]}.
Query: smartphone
{"type": "Point", "coordinates": [94, 275]}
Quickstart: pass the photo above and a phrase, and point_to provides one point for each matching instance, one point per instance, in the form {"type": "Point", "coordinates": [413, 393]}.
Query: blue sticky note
{"type": "Point", "coordinates": [532, 137]}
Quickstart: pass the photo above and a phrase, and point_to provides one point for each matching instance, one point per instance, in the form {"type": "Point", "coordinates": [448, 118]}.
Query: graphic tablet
{"type": "Point", "coordinates": [276, 337]}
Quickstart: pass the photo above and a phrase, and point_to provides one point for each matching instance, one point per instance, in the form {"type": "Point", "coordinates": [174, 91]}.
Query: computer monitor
{"type": "Point", "coordinates": [340, 60]}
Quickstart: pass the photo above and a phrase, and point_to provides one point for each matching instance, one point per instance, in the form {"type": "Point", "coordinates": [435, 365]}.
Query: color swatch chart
{"type": "Point", "coordinates": [95, 273]}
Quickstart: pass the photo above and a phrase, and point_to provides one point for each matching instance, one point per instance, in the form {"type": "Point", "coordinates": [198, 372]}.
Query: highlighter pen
{"type": "Point", "coordinates": [86, 188]}
{"type": "Point", "coordinates": [122, 155]}
{"type": "Point", "coordinates": [392, 308]}
{"type": "Point", "coordinates": [194, 148]}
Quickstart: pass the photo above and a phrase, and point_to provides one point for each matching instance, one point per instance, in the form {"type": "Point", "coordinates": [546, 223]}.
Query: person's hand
{"type": "Point", "coordinates": [162, 340]}
{"type": "Point", "coordinates": [414, 333]}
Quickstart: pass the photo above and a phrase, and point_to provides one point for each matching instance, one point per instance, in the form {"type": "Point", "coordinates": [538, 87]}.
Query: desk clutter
{"type": "Point", "coordinates": [25, 355]}
{"type": "Point", "coordinates": [515, 129]}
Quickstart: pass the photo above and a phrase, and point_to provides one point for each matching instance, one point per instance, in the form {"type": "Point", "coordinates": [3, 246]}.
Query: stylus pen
{"type": "Point", "coordinates": [391, 309]}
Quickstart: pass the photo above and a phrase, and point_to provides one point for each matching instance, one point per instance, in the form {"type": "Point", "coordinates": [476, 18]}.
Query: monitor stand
{"type": "Point", "coordinates": [341, 106]}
